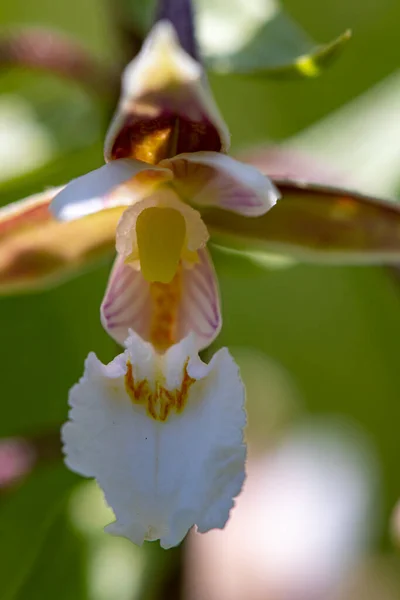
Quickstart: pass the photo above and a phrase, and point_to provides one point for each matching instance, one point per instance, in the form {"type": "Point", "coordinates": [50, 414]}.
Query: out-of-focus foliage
{"type": "Point", "coordinates": [254, 38]}
{"type": "Point", "coordinates": [31, 514]}
{"type": "Point", "coordinates": [336, 330]}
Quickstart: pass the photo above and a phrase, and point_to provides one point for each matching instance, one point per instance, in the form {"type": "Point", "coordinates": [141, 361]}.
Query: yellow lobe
{"type": "Point", "coordinates": [161, 233]}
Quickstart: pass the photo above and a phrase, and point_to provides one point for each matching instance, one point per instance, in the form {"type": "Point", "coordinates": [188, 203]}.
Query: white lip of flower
{"type": "Point", "coordinates": [163, 437]}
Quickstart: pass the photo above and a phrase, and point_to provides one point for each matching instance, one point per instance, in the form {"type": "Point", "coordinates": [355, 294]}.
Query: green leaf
{"type": "Point", "coordinates": [312, 62]}
{"type": "Point", "coordinates": [26, 515]}
{"type": "Point", "coordinates": [276, 48]}
{"type": "Point", "coordinates": [315, 223]}
{"type": "Point", "coordinates": [59, 570]}
{"type": "Point", "coordinates": [271, 45]}
{"type": "Point", "coordinates": [54, 331]}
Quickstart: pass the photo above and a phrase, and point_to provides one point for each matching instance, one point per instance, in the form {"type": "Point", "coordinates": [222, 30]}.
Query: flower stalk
{"type": "Point", "coordinates": [181, 14]}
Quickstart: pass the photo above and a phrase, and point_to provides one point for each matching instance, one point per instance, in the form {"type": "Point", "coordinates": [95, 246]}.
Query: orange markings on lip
{"type": "Point", "coordinates": [159, 401]}
{"type": "Point", "coordinates": [165, 299]}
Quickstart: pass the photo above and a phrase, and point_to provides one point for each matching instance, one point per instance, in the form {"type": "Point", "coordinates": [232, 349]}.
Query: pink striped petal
{"type": "Point", "coordinates": [213, 179]}
{"type": "Point", "coordinates": [200, 311]}
{"type": "Point", "coordinates": [130, 302]}
{"type": "Point", "coordinates": [126, 303]}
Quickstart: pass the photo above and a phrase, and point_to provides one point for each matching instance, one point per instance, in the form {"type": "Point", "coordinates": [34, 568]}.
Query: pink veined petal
{"type": "Point", "coordinates": [102, 189]}
{"type": "Point", "coordinates": [199, 310]}
{"type": "Point", "coordinates": [126, 303]}
{"type": "Point", "coordinates": [213, 179]}
{"type": "Point", "coordinates": [129, 303]}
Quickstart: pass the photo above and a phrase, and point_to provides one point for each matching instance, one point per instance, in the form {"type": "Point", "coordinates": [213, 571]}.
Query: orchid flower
{"type": "Point", "coordinates": [167, 193]}
{"type": "Point", "coordinates": [163, 284]}
{"type": "Point", "coordinates": [160, 431]}
{"type": "Point", "coordinates": [163, 436]}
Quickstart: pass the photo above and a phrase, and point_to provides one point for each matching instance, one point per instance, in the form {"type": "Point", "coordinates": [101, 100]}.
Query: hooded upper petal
{"type": "Point", "coordinates": [165, 106]}
{"type": "Point", "coordinates": [163, 436]}
{"type": "Point", "coordinates": [210, 179]}
{"type": "Point", "coordinates": [37, 250]}
{"type": "Point", "coordinates": [104, 188]}
{"type": "Point", "coordinates": [163, 314]}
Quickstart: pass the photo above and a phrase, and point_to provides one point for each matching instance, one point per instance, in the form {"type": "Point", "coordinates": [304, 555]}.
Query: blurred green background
{"type": "Point", "coordinates": [335, 331]}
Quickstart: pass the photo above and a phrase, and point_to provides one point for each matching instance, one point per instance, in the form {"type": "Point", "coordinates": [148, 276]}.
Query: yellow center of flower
{"type": "Point", "coordinates": [161, 233]}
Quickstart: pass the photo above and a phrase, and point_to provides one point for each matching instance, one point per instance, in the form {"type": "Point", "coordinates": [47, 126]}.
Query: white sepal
{"type": "Point", "coordinates": [101, 189]}
{"type": "Point", "coordinates": [161, 477]}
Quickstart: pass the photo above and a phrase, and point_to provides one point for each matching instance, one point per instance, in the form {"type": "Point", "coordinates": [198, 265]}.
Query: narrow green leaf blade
{"type": "Point", "coordinates": [279, 49]}
{"type": "Point", "coordinates": [312, 63]}
{"type": "Point", "coordinates": [26, 516]}
{"type": "Point", "coordinates": [249, 42]}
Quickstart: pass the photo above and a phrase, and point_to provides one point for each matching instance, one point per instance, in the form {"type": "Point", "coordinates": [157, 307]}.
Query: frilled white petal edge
{"type": "Point", "coordinates": [99, 189]}
{"type": "Point", "coordinates": [213, 179]}
{"type": "Point", "coordinates": [160, 477]}
{"type": "Point", "coordinates": [130, 302]}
